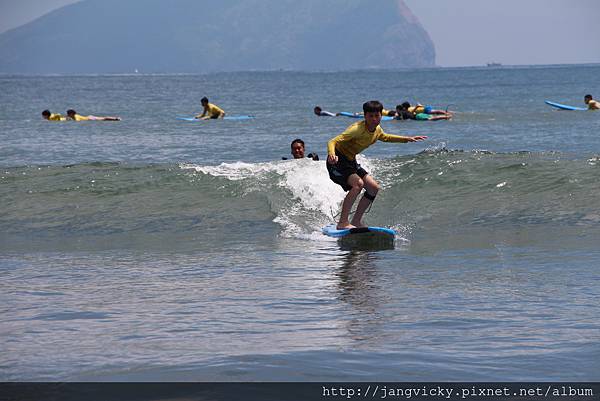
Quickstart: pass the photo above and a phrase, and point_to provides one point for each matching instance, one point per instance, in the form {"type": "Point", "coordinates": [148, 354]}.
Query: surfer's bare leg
{"type": "Point", "coordinates": [357, 185]}
{"type": "Point", "coordinates": [372, 187]}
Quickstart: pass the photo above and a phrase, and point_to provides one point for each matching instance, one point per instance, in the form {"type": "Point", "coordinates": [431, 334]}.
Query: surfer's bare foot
{"type": "Point", "coordinates": [344, 226]}
{"type": "Point", "coordinates": [358, 224]}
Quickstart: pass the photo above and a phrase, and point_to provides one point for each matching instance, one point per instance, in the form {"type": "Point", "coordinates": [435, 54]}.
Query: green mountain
{"type": "Point", "coordinates": [110, 36]}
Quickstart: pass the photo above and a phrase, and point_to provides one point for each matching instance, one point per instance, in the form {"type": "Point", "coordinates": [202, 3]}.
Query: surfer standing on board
{"type": "Point", "coordinates": [346, 172]}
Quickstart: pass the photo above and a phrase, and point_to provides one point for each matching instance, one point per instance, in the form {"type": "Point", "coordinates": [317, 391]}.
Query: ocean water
{"type": "Point", "coordinates": [154, 249]}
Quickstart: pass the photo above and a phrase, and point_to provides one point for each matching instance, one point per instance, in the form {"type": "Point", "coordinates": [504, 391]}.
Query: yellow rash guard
{"type": "Point", "coordinates": [357, 138]}
{"type": "Point", "coordinates": [56, 117]}
{"type": "Point", "coordinates": [78, 117]}
{"type": "Point", "coordinates": [418, 109]}
{"type": "Point", "coordinates": [213, 111]}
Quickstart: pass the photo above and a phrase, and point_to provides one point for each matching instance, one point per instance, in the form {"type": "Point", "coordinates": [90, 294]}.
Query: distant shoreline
{"type": "Point", "coordinates": [284, 71]}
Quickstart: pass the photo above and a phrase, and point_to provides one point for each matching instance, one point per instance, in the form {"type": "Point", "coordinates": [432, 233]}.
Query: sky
{"type": "Point", "coordinates": [475, 32]}
{"type": "Point", "coordinates": [465, 32]}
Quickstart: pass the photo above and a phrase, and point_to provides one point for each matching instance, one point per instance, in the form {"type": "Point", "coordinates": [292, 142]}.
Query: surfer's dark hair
{"type": "Point", "coordinates": [405, 105]}
{"type": "Point", "coordinates": [46, 113]}
{"type": "Point", "coordinates": [588, 97]}
{"type": "Point", "coordinates": [71, 112]}
{"type": "Point", "coordinates": [204, 100]}
{"type": "Point", "coordinates": [372, 106]}
{"type": "Point", "coordinates": [297, 140]}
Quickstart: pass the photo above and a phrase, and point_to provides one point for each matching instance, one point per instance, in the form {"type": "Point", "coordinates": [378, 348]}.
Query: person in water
{"type": "Point", "coordinates": [210, 111]}
{"type": "Point", "coordinates": [73, 116]}
{"type": "Point", "coordinates": [591, 103]}
{"type": "Point", "coordinates": [323, 113]}
{"type": "Point", "coordinates": [420, 109]}
{"type": "Point", "coordinates": [347, 173]}
{"type": "Point", "coordinates": [389, 113]}
{"type": "Point", "coordinates": [297, 150]}
{"type": "Point", "coordinates": [52, 116]}
{"type": "Point", "coordinates": [402, 113]}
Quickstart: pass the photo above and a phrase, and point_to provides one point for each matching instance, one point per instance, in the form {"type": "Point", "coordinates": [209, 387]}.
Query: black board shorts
{"type": "Point", "coordinates": [343, 169]}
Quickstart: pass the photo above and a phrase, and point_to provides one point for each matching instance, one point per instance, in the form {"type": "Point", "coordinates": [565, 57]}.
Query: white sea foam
{"type": "Point", "coordinates": [314, 202]}
{"type": "Point", "coordinates": [232, 171]}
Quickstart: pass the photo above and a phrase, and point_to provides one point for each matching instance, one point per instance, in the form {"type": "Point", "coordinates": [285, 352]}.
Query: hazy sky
{"type": "Point", "coordinates": [473, 32]}
{"type": "Point", "coordinates": [465, 32]}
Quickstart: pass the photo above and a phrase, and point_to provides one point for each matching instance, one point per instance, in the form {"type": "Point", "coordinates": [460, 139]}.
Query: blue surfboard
{"type": "Point", "coordinates": [224, 118]}
{"type": "Point", "coordinates": [563, 106]}
{"type": "Point", "coordinates": [383, 232]}
{"type": "Point", "coordinates": [352, 115]}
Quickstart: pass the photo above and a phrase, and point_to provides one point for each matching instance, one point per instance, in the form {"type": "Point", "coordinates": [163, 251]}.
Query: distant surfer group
{"type": "Point", "coordinates": [210, 111]}
{"type": "Point", "coordinates": [73, 116]}
{"type": "Point", "coordinates": [404, 111]}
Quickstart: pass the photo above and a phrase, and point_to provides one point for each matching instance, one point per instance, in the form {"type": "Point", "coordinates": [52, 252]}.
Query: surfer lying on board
{"type": "Point", "coordinates": [389, 113]}
{"type": "Point", "coordinates": [592, 104]}
{"type": "Point", "coordinates": [346, 172]}
{"type": "Point", "coordinates": [73, 116]}
{"type": "Point", "coordinates": [419, 108]}
{"type": "Point", "coordinates": [323, 113]}
{"type": "Point", "coordinates": [52, 116]}
{"type": "Point", "coordinates": [402, 113]}
{"type": "Point", "coordinates": [297, 147]}
{"type": "Point", "coordinates": [210, 110]}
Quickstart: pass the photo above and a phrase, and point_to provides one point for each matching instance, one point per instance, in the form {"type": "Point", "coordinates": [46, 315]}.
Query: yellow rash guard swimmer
{"type": "Point", "coordinates": [78, 117]}
{"type": "Point", "coordinates": [56, 117]}
{"type": "Point", "coordinates": [357, 138]}
{"type": "Point", "coordinates": [418, 109]}
{"type": "Point", "coordinates": [213, 111]}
